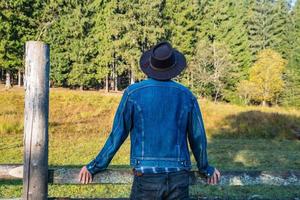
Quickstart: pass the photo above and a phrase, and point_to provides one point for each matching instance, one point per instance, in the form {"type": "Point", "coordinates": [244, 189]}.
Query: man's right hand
{"type": "Point", "coordinates": [85, 176]}
{"type": "Point", "coordinates": [215, 178]}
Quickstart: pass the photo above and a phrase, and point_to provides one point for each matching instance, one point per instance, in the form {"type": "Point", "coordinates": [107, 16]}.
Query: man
{"type": "Point", "coordinates": [161, 115]}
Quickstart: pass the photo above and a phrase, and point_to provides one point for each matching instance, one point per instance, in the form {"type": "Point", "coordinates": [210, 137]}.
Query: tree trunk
{"type": "Point", "coordinates": [112, 82]}
{"type": "Point", "coordinates": [113, 79]}
{"type": "Point", "coordinates": [107, 83]}
{"type": "Point", "coordinates": [192, 81]}
{"type": "Point", "coordinates": [7, 82]}
{"type": "Point", "coordinates": [264, 103]}
{"type": "Point", "coordinates": [19, 78]}
{"type": "Point", "coordinates": [81, 88]}
{"type": "Point", "coordinates": [116, 82]}
{"type": "Point", "coordinates": [132, 78]}
{"type": "Point", "coordinates": [216, 96]}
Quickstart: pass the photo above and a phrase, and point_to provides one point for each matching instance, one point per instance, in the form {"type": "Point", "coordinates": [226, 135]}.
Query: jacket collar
{"type": "Point", "coordinates": [152, 79]}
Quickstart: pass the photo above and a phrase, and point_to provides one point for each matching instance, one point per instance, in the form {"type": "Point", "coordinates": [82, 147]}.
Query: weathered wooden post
{"type": "Point", "coordinates": [35, 174]}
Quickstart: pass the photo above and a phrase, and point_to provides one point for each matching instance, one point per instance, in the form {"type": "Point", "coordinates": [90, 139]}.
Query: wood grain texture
{"type": "Point", "coordinates": [36, 120]}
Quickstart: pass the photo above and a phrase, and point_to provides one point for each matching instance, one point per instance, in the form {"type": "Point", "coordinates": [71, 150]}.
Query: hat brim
{"type": "Point", "coordinates": [162, 75]}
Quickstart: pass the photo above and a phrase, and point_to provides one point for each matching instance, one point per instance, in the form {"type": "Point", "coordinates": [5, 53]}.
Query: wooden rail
{"type": "Point", "coordinates": [123, 175]}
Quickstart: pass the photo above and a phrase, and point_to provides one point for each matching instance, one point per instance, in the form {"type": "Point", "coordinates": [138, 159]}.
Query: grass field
{"type": "Point", "coordinates": [239, 137]}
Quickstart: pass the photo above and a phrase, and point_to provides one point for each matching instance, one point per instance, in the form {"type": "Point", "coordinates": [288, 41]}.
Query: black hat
{"type": "Point", "coordinates": [162, 62]}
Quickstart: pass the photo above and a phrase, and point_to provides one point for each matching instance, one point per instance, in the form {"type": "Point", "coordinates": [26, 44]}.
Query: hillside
{"type": "Point", "coordinates": [239, 137]}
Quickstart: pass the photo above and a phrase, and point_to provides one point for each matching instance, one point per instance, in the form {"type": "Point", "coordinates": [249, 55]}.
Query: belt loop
{"type": "Point", "coordinates": [136, 173]}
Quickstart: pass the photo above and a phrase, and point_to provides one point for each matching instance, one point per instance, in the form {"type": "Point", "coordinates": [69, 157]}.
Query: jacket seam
{"type": "Point", "coordinates": [142, 123]}
{"type": "Point", "coordinates": [119, 121]}
{"type": "Point", "coordinates": [179, 130]}
{"type": "Point", "coordinates": [202, 128]}
{"type": "Point", "coordinates": [157, 158]}
{"type": "Point", "coordinates": [172, 86]}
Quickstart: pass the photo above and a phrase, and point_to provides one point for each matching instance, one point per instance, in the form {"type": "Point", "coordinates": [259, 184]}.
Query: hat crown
{"type": "Point", "coordinates": [162, 56]}
{"type": "Point", "coordinates": [162, 51]}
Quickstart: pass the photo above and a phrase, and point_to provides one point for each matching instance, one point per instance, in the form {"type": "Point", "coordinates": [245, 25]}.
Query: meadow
{"type": "Point", "coordinates": [239, 138]}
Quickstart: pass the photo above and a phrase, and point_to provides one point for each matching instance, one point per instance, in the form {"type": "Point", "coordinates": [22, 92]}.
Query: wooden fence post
{"type": "Point", "coordinates": [35, 174]}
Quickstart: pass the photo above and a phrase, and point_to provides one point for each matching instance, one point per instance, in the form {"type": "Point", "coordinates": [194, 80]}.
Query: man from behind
{"type": "Point", "coordinates": [162, 117]}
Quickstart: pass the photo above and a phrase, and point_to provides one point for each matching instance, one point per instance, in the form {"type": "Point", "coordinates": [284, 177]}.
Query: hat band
{"type": "Point", "coordinates": [165, 68]}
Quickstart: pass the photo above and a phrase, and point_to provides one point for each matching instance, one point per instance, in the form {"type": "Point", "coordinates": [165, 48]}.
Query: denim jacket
{"type": "Point", "coordinates": [162, 117]}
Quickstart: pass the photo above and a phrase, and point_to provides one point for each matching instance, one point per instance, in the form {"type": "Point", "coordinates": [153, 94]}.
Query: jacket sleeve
{"type": "Point", "coordinates": [121, 126]}
{"type": "Point", "coordinates": [197, 139]}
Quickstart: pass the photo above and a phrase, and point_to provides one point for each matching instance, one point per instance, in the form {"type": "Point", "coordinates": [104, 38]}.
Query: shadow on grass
{"type": "Point", "coordinates": [11, 182]}
{"type": "Point", "coordinates": [256, 140]}
{"type": "Point", "coordinates": [257, 124]}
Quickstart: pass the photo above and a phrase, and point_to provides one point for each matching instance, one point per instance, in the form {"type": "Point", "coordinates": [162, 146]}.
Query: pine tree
{"type": "Point", "coordinates": [291, 95]}
{"type": "Point", "coordinates": [107, 34]}
{"type": "Point", "coordinates": [181, 23]}
{"type": "Point", "coordinates": [144, 28]}
{"type": "Point", "coordinates": [261, 26]}
{"type": "Point", "coordinates": [57, 37]}
{"type": "Point", "coordinates": [18, 25]}
{"type": "Point", "coordinates": [82, 72]}
{"type": "Point", "coordinates": [282, 28]}
{"type": "Point", "coordinates": [223, 22]}
{"type": "Point", "coordinates": [71, 48]}
{"type": "Point", "coordinates": [131, 27]}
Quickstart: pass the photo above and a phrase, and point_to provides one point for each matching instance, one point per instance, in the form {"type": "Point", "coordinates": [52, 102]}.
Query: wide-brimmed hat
{"type": "Point", "coordinates": [162, 62]}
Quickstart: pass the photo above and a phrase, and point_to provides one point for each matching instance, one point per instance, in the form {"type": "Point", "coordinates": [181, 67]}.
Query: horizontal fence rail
{"type": "Point", "coordinates": [123, 175]}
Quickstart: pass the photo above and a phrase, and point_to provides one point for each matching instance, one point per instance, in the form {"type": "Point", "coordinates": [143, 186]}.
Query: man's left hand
{"type": "Point", "coordinates": [215, 178]}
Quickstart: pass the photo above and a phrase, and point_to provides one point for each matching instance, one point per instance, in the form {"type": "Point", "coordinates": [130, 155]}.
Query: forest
{"type": "Point", "coordinates": [238, 51]}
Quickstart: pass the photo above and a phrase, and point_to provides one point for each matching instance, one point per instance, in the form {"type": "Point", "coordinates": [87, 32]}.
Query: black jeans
{"type": "Point", "coordinates": [171, 185]}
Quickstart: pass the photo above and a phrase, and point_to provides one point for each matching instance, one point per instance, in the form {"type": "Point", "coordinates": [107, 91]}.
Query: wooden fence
{"type": "Point", "coordinates": [123, 175]}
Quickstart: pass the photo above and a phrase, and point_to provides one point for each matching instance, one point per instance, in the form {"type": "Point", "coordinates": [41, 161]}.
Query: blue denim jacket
{"type": "Point", "coordinates": [161, 117]}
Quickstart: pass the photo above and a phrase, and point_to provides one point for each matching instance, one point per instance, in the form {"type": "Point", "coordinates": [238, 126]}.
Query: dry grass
{"type": "Point", "coordinates": [228, 121]}
{"type": "Point", "coordinates": [240, 137]}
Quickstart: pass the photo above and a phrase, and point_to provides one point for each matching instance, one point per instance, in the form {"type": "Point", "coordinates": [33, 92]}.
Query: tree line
{"type": "Point", "coordinates": [238, 51]}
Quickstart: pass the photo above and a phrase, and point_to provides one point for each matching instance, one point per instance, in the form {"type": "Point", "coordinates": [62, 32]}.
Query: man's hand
{"type": "Point", "coordinates": [215, 178]}
{"type": "Point", "coordinates": [85, 176]}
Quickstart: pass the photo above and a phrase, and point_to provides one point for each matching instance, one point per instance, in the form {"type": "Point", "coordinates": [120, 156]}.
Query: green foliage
{"type": "Point", "coordinates": [283, 26]}
{"type": "Point", "coordinates": [260, 25]}
{"type": "Point", "coordinates": [18, 25]}
{"type": "Point", "coordinates": [181, 19]}
{"type": "Point", "coordinates": [223, 22]}
{"type": "Point", "coordinates": [71, 47]}
{"type": "Point", "coordinates": [144, 28]}
{"type": "Point", "coordinates": [265, 81]}
{"type": "Point", "coordinates": [99, 41]}
{"type": "Point", "coordinates": [213, 67]}
{"type": "Point", "coordinates": [291, 95]}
